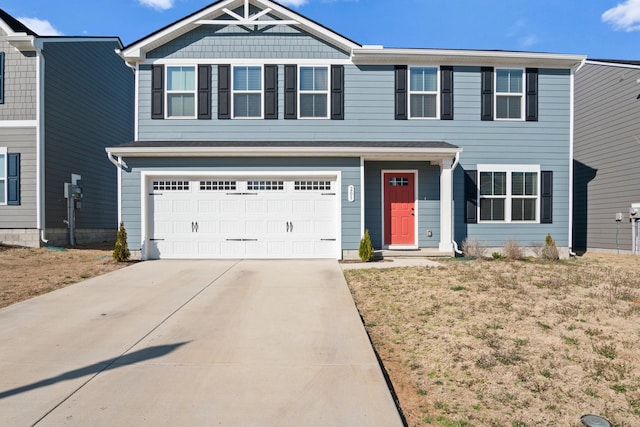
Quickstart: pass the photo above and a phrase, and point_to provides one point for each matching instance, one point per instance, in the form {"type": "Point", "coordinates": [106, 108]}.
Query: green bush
{"type": "Point", "coordinates": [366, 251]}
{"type": "Point", "coordinates": [121, 251]}
{"type": "Point", "coordinates": [498, 255]}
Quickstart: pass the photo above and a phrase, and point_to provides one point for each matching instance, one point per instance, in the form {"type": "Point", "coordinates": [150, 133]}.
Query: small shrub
{"type": "Point", "coordinates": [366, 251]}
{"type": "Point", "coordinates": [513, 251]}
{"type": "Point", "coordinates": [550, 251]}
{"type": "Point", "coordinates": [121, 251]}
{"type": "Point", "coordinates": [472, 249]}
{"type": "Point", "coordinates": [498, 255]}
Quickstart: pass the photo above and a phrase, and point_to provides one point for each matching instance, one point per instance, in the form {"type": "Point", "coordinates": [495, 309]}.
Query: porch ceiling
{"type": "Point", "coordinates": [369, 150]}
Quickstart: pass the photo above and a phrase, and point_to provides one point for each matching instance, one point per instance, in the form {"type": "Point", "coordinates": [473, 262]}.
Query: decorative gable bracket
{"type": "Point", "coordinates": [246, 19]}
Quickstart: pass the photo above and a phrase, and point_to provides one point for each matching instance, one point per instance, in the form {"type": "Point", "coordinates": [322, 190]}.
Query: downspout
{"type": "Point", "coordinates": [40, 181]}
{"type": "Point", "coordinates": [456, 161]}
{"type": "Point", "coordinates": [572, 106]}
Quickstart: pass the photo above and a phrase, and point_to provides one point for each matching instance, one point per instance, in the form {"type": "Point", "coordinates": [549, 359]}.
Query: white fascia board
{"type": "Point", "coordinates": [612, 64]}
{"type": "Point", "coordinates": [464, 57]}
{"type": "Point", "coordinates": [368, 153]}
{"type": "Point", "coordinates": [22, 41]}
{"type": "Point", "coordinates": [244, 61]}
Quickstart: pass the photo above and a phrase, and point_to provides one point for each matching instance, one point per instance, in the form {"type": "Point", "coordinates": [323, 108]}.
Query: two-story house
{"type": "Point", "coordinates": [260, 133]}
{"type": "Point", "coordinates": [607, 149]}
{"type": "Point", "coordinates": [62, 101]}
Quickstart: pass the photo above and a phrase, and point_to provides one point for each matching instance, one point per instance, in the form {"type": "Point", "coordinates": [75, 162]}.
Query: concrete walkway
{"type": "Point", "coordinates": [194, 343]}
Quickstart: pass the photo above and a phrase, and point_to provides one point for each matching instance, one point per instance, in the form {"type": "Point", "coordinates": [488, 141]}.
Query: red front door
{"type": "Point", "coordinates": [399, 208]}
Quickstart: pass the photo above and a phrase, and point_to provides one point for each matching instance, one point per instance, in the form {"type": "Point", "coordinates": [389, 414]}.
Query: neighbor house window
{"type": "Point", "coordinates": [3, 175]}
{"type": "Point", "coordinates": [509, 93]}
{"type": "Point", "coordinates": [181, 92]}
{"type": "Point", "coordinates": [423, 92]}
{"type": "Point", "coordinates": [247, 92]}
{"type": "Point", "coordinates": [314, 92]}
{"type": "Point", "coordinates": [509, 194]}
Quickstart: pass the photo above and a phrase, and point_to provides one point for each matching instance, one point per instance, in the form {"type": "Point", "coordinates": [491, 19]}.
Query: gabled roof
{"type": "Point", "coordinates": [18, 34]}
{"type": "Point", "coordinates": [14, 25]}
{"type": "Point", "coordinates": [137, 50]}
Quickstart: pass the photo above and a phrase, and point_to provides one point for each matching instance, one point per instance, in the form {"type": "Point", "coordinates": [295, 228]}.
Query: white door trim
{"type": "Point", "coordinates": [415, 202]}
{"type": "Point", "coordinates": [146, 176]}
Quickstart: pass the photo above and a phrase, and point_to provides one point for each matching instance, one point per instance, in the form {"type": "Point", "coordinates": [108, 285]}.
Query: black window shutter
{"type": "Point", "coordinates": [13, 179]}
{"type": "Point", "coordinates": [470, 196]}
{"type": "Point", "coordinates": [224, 91]}
{"type": "Point", "coordinates": [290, 92]}
{"type": "Point", "coordinates": [401, 92]}
{"type": "Point", "coordinates": [532, 95]}
{"type": "Point", "coordinates": [204, 92]}
{"type": "Point", "coordinates": [157, 92]}
{"type": "Point", "coordinates": [271, 92]}
{"type": "Point", "coordinates": [486, 108]}
{"type": "Point", "coordinates": [546, 202]}
{"type": "Point", "coordinates": [337, 92]}
{"type": "Point", "coordinates": [1, 77]}
{"type": "Point", "coordinates": [446, 93]}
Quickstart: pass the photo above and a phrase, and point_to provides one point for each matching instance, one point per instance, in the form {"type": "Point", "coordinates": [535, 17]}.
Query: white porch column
{"type": "Point", "coordinates": [446, 206]}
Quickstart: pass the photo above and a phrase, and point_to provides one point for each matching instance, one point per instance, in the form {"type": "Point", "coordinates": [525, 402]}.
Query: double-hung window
{"type": "Point", "coordinates": [314, 92]}
{"type": "Point", "coordinates": [509, 93]}
{"type": "Point", "coordinates": [509, 194]}
{"type": "Point", "coordinates": [181, 92]}
{"type": "Point", "coordinates": [423, 93]}
{"type": "Point", "coordinates": [247, 92]}
{"type": "Point", "coordinates": [3, 175]}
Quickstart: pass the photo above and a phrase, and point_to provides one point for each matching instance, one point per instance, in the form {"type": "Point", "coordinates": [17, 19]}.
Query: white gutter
{"type": "Point", "coordinates": [572, 109]}
{"type": "Point", "coordinates": [40, 139]}
{"type": "Point", "coordinates": [456, 161]}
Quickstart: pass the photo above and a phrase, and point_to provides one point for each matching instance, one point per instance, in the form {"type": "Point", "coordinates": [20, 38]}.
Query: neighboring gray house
{"type": "Point", "coordinates": [62, 100]}
{"type": "Point", "coordinates": [262, 134]}
{"type": "Point", "coordinates": [606, 154]}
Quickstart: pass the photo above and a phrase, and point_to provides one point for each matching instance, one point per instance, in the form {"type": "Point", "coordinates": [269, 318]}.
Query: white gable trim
{"type": "Point", "coordinates": [137, 51]}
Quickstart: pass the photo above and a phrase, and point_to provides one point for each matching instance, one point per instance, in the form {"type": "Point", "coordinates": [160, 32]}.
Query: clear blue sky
{"type": "Point", "coordinates": [597, 28]}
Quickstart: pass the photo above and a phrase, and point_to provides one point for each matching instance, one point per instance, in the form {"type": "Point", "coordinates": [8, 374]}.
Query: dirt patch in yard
{"type": "Point", "coordinates": [27, 272]}
{"type": "Point", "coordinates": [499, 343]}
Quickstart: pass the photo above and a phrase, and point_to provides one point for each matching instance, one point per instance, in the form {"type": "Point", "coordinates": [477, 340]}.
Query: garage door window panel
{"type": "Point", "coordinates": [218, 185]}
{"type": "Point", "coordinates": [171, 185]}
{"type": "Point", "coordinates": [260, 185]}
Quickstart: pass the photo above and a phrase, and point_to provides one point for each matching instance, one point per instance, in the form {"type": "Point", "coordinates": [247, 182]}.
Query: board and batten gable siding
{"type": "Point", "coordinates": [89, 106]}
{"type": "Point", "coordinates": [349, 168]}
{"type": "Point", "coordinates": [23, 141]}
{"type": "Point", "coordinates": [606, 155]}
{"type": "Point", "coordinates": [19, 83]}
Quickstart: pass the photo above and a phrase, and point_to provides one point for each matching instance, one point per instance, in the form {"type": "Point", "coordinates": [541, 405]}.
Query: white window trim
{"type": "Point", "coordinates": [436, 93]}
{"type": "Point", "coordinates": [509, 169]}
{"type": "Point", "coordinates": [167, 92]}
{"type": "Point", "coordinates": [234, 92]}
{"type": "Point", "coordinates": [315, 92]}
{"type": "Point", "coordinates": [3, 152]}
{"type": "Point", "coordinates": [509, 94]}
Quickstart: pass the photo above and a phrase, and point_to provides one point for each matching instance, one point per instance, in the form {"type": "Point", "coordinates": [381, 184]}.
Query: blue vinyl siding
{"type": "Point", "coordinates": [349, 168]}
{"type": "Point", "coordinates": [369, 116]}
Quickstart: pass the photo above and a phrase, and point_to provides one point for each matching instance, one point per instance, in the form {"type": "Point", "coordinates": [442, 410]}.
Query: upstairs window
{"type": "Point", "coordinates": [423, 92]}
{"type": "Point", "coordinates": [314, 92]}
{"type": "Point", "coordinates": [509, 94]}
{"type": "Point", "coordinates": [181, 92]}
{"type": "Point", "coordinates": [247, 92]}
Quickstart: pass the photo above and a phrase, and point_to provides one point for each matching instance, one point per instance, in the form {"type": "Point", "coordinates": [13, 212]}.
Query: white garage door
{"type": "Point", "coordinates": [248, 218]}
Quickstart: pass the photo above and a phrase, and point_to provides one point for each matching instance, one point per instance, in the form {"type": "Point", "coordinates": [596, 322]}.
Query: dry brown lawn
{"type": "Point", "coordinates": [500, 343]}
{"type": "Point", "coordinates": [27, 272]}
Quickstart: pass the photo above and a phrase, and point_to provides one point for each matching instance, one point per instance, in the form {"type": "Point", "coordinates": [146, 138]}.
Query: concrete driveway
{"type": "Point", "coordinates": [194, 343]}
